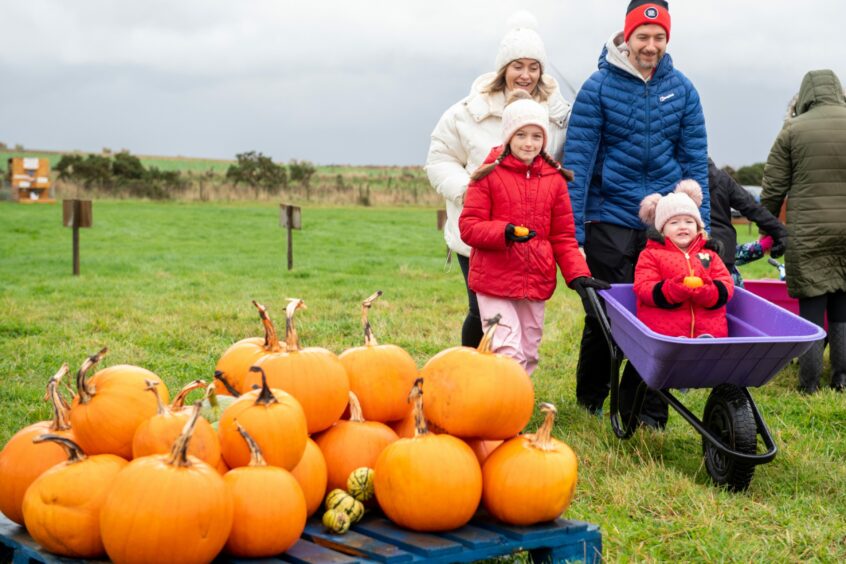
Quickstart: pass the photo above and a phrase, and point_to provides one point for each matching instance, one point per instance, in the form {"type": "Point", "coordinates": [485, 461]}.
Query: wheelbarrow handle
{"type": "Point", "coordinates": [599, 312]}
{"type": "Point", "coordinates": [622, 430]}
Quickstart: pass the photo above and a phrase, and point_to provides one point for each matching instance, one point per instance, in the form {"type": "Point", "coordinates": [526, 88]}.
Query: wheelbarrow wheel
{"type": "Point", "coordinates": [728, 416]}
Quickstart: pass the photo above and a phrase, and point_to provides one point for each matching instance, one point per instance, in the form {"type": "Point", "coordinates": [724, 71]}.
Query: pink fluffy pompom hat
{"type": "Point", "coordinates": [684, 200]}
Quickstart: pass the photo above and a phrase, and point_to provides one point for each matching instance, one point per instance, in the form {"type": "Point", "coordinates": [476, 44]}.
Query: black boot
{"type": "Point", "coordinates": [810, 368]}
{"type": "Point", "coordinates": [837, 355]}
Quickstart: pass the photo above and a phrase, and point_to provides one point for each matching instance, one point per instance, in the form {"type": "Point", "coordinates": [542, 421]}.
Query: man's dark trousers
{"type": "Point", "coordinates": [611, 252]}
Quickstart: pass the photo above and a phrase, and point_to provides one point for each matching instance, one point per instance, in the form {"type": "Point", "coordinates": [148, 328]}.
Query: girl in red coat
{"type": "Point", "coordinates": [682, 287]}
{"type": "Point", "coordinates": [518, 220]}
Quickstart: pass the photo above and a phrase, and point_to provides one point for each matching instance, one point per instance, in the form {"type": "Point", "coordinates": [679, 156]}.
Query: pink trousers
{"type": "Point", "coordinates": [522, 327]}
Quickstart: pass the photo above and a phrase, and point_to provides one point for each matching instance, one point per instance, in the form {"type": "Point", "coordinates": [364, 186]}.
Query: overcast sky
{"type": "Point", "coordinates": [362, 82]}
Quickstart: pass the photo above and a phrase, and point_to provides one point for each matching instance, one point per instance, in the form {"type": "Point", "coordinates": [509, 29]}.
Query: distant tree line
{"type": "Point", "coordinates": [121, 174]}
{"type": "Point", "coordinates": [260, 173]}
{"type": "Point", "coordinates": [125, 174]}
{"type": "Point", "coordinates": [750, 175]}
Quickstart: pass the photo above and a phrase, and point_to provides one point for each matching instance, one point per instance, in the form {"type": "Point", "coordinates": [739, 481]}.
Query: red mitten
{"type": "Point", "coordinates": [675, 291]}
{"type": "Point", "coordinates": [707, 294]}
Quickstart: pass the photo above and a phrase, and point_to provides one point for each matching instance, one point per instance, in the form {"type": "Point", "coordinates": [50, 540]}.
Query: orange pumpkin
{"type": "Point", "coordinates": [234, 364]}
{"type": "Point", "coordinates": [457, 378]}
{"type": "Point", "coordinates": [380, 375]}
{"type": "Point", "coordinates": [157, 434]}
{"type": "Point", "coordinates": [482, 449]}
{"type": "Point", "coordinates": [62, 506]}
{"type": "Point", "coordinates": [314, 376]}
{"type": "Point", "coordinates": [405, 427]}
{"type": "Point", "coordinates": [530, 478]}
{"type": "Point", "coordinates": [111, 405]}
{"type": "Point", "coordinates": [273, 418]}
{"type": "Point", "coordinates": [348, 445]}
{"type": "Point", "coordinates": [167, 507]}
{"type": "Point", "coordinates": [22, 461]}
{"type": "Point", "coordinates": [312, 475]}
{"type": "Point", "coordinates": [269, 507]}
{"type": "Point", "coordinates": [429, 482]}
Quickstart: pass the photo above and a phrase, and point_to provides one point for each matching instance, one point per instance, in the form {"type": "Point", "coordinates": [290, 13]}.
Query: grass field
{"type": "Point", "coordinates": [168, 286]}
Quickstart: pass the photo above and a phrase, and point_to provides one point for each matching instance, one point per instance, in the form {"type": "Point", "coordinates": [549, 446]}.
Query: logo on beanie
{"type": "Point", "coordinates": [651, 12]}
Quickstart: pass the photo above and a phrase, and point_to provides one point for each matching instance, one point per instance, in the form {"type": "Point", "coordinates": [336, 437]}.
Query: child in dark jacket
{"type": "Point", "coordinates": [682, 287]}
{"type": "Point", "coordinates": [518, 220]}
{"type": "Point", "coordinates": [726, 194]}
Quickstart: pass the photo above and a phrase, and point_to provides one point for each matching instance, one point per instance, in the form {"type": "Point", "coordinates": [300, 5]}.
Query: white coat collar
{"type": "Point", "coordinates": [482, 105]}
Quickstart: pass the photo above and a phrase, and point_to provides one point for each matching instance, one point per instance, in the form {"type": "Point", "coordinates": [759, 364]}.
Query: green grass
{"type": "Point", "coordinates": [168, 286]}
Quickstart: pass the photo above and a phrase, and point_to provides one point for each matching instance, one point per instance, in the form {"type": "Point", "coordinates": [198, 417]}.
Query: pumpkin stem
{"type": "Point", "coordinates": [85, 390]}
{"type": "Point", "coordinates": [486, 343]}
{"type": "Point", "coordinates": [221, 377]}
{"type": "Point", "coordinates": [256, 458]}
{"type": "Point", "coordinates": [212, 396]}
{"type": "Point", "coordinates": [74, 451]}
{"type": "Point", "coordinates": [369, 338]}
{"type": "Point", "coordinates": [179, 451]}
{"type": "Point", "coordinates": [60, 406]}
{"type": "Point", "coordinates": [179, 401]}
{"type": "Point", "coordinates": [161, 409]}
{"type": "Point", "coordinates": [63, 370]}
{"type": "Point", "coordinates": [356, 415]}
{"type": "Point", "coordinates": [271, 339]}
{"type": "Point", "coordinates": [266, 396]}
{"type": "Point", "coordinates": [291, 339]}
{"type": "Point", "coordinates": [416, 395]}
{"type": "Point", "coordinates": [542, 439]}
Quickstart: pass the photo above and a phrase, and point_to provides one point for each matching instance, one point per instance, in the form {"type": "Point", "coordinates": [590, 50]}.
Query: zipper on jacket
{"type": "Point", "coordinates": [692, 314]}
{"type": "Point", "coordinates": [525, 198]}
{"type": "Point", "coordinates": [648, 133]}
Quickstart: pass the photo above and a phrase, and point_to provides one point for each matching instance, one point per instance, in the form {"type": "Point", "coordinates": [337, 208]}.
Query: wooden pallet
{"type": "Point", "coordinates": [375, 539]}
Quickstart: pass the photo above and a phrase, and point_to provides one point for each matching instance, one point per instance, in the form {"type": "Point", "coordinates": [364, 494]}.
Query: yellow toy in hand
{"type": "Point", "coordinates": [692, 281]}
{"type": "Point", "coordinates": [521, 231]}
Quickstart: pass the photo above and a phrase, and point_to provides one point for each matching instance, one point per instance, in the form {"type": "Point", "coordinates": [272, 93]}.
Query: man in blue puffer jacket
{"type": "Point", "coordinates": [637, 128]}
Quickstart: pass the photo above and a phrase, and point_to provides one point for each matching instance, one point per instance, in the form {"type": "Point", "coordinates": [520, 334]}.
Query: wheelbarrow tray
{"type": "Point", "coordinates": [775, 291]}
{"type": "Point", "coordinates": [763, 339]}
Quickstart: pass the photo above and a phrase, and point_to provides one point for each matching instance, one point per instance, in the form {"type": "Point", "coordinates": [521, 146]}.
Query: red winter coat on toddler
{"type": "Point", "coordinates": [534, 196]}
{"type": "Point", "coordinates": [666, 305]}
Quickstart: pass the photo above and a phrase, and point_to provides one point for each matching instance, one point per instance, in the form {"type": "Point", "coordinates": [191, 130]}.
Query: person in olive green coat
{"type": "Point", "coordinates": [807, 166]}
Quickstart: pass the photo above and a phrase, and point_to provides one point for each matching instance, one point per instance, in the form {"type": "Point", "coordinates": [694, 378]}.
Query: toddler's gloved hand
{"type": "Point", "coordinates": [707, 294]}
{"type": "Point", "coordinates": [675, 290]}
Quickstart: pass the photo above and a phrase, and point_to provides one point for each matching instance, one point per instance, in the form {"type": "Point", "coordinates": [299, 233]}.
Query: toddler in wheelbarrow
{"type": "Point", "coordinates": [683, 324]}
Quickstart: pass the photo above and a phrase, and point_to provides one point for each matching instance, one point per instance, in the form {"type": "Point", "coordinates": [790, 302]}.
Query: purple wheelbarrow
{"type": "Point", "coordinates": [763, 339]}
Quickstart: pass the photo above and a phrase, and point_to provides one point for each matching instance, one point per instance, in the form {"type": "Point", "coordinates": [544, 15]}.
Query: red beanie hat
{"type": "Point", "coordinates": [642, 12]}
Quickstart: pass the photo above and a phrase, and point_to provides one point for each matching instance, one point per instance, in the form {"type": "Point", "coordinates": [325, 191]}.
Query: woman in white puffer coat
{"type": "Point", "coordinates": [468, 130]}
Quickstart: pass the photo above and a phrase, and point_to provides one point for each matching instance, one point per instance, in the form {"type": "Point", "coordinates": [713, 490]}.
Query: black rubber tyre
{"type": "Point", "coordinates": [728, 416]}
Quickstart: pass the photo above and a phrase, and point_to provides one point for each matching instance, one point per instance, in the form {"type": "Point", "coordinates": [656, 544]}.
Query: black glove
{"type": "Point", "coordinates": [579, 284]}
{"type": "Point", "coordinates": [778, 248]}
{"type": "Point", "coordinates": [714, 245]}
{"type": "Point", "coordinates": [510, 236]}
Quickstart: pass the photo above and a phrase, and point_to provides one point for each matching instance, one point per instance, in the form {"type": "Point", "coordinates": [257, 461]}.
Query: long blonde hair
{"type": "Point", "coordinates": [541, 92]}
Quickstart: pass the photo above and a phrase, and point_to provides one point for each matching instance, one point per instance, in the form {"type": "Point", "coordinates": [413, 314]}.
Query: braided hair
{"type": "Point", "coordinates": [565, 172]}
{"type": "Point", "coordinates": [485, 170]}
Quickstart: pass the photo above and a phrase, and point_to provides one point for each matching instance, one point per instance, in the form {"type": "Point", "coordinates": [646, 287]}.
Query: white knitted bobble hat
{"type": "Point", "coordinates": [684, 200]}
{"type": "Point", "coordinates": [521, 41]}
{"type": "Point", "coordinates": [523, 110]}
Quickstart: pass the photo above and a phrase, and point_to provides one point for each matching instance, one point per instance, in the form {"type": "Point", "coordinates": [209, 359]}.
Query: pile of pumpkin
{"type": "Point", "coordinates": [244, 476]}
